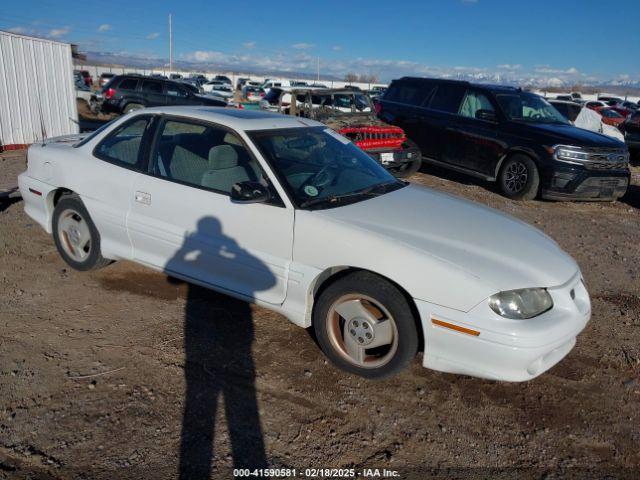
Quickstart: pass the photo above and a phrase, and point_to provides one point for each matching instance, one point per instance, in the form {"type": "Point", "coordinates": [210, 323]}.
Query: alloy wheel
{"type": "Point", "coordinates": [516, 177]}
{"type": "Point", "coordinates": [74, 232]}
{"type": "Point", "coordinates": [362, 331]}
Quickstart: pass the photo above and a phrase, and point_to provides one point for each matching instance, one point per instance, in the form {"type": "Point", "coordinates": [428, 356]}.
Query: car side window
{"type": "Point", "coordinates": [473, 103]}
{"type": "Point", "coordinates": [176, 91]}
{"type": "Point", "coordinates": [202, 156]}
{"type": "Point", "coordinates": [447, 98]}
{"type": "Point", "coordinates": [123, 146]}
{"type": "Point", "coordinates": [151, 86]}
{"type": "Point", "coordinates": [416, 94]}
{"type": "Point", "coordinates": [128, 84]}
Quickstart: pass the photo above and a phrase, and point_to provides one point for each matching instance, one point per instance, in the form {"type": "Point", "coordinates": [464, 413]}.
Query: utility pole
{"type": "Point", "coordinates": [318, 69]}
{"type": "Point", "coordinates": [170, 46]}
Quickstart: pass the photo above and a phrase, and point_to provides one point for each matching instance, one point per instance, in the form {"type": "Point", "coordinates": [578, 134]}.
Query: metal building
{"type": "Point", "coordinates": [37, 93]}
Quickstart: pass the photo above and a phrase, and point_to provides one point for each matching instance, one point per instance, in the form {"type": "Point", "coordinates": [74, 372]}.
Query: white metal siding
{"type": "Point", "coordinates": [37, 93]}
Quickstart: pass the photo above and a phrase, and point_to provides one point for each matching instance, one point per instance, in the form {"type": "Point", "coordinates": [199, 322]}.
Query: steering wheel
{"type": "Point", "coordinates": [322, 178]}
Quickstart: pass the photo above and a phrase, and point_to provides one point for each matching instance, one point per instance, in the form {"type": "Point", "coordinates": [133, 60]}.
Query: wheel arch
{"type": "Point", "coordinates": [332, 274]}
{"type": "Point", "coordinates": [53, 197]}
{"type": "Point", "coordinates": [516, 151]}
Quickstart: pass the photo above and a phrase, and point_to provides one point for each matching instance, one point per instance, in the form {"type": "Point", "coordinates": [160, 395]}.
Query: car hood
{"type": "Point", "coordinates": [571, 135]}
{"type": "Point", "coordinates": [500, 251]}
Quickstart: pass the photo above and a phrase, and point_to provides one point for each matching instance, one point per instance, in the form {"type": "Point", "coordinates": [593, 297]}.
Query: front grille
{"type": "Point", "coordinates": [594, 158]}
{"type": "Point", "coordinates": [370, 138]}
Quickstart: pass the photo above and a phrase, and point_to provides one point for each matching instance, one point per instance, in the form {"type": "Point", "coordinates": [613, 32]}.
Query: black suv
{"type": "Point", "coordinates": [125, 93]}
{"type": "Point", "coordinates": [507, 135]}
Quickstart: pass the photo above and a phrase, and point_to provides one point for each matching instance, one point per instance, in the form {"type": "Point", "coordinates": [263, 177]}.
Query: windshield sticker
{"type": "Point", "coordinates": [337, 136]}
{"type": "Point", "coordinates": [311, 191]}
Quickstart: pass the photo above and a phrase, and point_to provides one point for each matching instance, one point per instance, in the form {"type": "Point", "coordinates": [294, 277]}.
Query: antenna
{"type": "Point", "coordinates": [170, 45]}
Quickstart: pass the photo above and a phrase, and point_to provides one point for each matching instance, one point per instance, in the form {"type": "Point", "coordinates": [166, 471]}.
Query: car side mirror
{"type": "Point", "coordinates": [486, 115]}
{"type": "Point", "coordinates": [250, 192]}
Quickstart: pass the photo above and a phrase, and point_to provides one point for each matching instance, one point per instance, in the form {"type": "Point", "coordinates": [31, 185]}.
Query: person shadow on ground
{"type": "Point", "coordinates": [218, 333]}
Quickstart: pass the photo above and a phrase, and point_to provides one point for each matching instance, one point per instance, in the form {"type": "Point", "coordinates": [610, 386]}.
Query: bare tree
{"type": "Point", "coordinates": [351, 77]}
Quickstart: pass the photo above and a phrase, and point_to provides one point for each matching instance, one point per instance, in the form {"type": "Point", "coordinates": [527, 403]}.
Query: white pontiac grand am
{"type": "Point", "coordinates": [284, 212]}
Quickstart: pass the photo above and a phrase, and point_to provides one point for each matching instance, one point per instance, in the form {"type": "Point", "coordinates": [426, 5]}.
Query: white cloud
{"type": "Point", "coordinates": [510, 67]}
{"type": "Point", "coordinates": [302, 46]}
{"type": "Point", "coordinates": [105, 27]}
{"type": "Point", "coordinates": [555, 71]}
{"type": "Point", "coordinates": [336, 48]}
{"type": "Point", "coordinates": [249, 45]}
{"type": "Point", "coordinates": [59, 32]}
{"type": "Point", "coordinates": [19, 30]}
{"type": "Point", "coordinates": [153, 36]}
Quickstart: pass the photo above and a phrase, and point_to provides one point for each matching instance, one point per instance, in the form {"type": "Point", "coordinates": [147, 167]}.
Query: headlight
{"type": "Point", "coordinates": [570, 153]}
{"type": "Point", "coordinates": [521, 304]}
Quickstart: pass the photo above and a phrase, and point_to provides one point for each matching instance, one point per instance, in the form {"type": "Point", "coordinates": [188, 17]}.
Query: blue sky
{"type": "Point", "coordinates": [574, 40]}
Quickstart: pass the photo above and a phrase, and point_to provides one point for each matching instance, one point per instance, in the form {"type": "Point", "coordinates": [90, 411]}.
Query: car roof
{"type": "Point", "coordinates": [487, 86]}
{"type": "Point", "coordinates": [237, 119]}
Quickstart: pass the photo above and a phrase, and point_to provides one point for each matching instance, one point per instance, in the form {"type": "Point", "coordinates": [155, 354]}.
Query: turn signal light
{"type": "Point", "coordinates": [452, 326]}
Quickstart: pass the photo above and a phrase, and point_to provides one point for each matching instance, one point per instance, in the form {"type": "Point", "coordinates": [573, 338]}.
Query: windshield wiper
{"type": "Point", "coordinates": [372, 191]}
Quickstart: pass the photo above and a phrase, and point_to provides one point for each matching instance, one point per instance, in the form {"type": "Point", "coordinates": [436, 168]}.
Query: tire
{"type": "Point", "coordinates": [130, 107]}
{"type": "Point", "coordinates": [519, 178]}
{"type": "Point", "coordinates": [76, 236]}
{"type": "Point", "coordinates": [382, 338]}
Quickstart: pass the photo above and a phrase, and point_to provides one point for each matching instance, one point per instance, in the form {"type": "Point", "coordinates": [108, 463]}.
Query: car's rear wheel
{"type": "Point", "coordinates": [365, 326]}
{"type": "Point", "coordinates": [76, 236]}
{"type": "Point", "coordinates": [519, 178]}
{"type": "Point", "coordinates": [131, 107]}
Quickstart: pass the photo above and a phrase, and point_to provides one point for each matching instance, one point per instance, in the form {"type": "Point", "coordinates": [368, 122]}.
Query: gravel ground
{"type": "Point", "coordinates": [93, 367]}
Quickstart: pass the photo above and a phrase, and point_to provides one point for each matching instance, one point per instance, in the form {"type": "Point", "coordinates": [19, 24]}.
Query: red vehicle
{"type": "Point", "coordinates": [610, 116]}
{"type": "Point", "coordinates": [624, 111]}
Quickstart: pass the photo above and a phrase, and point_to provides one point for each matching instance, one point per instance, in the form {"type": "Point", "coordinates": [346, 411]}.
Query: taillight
{"type": "Point", "coordinates": [109, 93]}
{"type": "Point", "coordinates": [378, 108]}
{"type": "Point", "coordinates": [261, 94]}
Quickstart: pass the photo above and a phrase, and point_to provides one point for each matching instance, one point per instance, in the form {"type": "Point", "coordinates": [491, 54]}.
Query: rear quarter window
{"type": "Point", "coordinates": [128, 84]}
{"type": "Point", "coordinates": [447, 98]}
{"type": "Point", "coordinates": [410, 93]}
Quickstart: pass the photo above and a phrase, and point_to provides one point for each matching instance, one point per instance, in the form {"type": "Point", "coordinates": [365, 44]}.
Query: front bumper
{"type": "Point", "coordinates": [504, 349]}
{"type": "Point", "coordinates": [395, 158]}
{"type": "Point", "coordinates": [569, 182]}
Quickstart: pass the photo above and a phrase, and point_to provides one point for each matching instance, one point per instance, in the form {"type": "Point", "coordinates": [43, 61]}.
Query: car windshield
{"type": "Point", "coordinates": [343, 102]}
{"type": "Point", "coordinates": [528, 107]}
{"type": "Point", "coordinates": [321, 169]}
{"type": "Point", "coordinates": [605, 112]}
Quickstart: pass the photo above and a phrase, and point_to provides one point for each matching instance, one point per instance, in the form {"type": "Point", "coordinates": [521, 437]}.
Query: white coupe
{"type": "Point", "coordinates": [284, 212]}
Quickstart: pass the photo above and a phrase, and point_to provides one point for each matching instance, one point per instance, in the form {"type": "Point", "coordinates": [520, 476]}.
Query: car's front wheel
{"type": "Point", "coordinates": [519, 178]}
{"type": "Point", "coordinates": [76, 236]}
{"type": "Point", "coordinates": [365, 325]}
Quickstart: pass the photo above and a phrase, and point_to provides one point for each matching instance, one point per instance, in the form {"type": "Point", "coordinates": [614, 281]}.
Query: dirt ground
{"type": "Point", "coordinates": [93, 367]}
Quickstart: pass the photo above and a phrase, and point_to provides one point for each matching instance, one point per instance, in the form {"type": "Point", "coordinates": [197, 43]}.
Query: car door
{"type": "Point", "coordinates": [108, 179]}
{"type": "Point", "coordinates": [183, 221]}
{"type": "Point", "coordinates": [179, 95]}
{"type": "Point", "coordinates": [440, 119]}
{"type": "Point", "coordinates": [404, 106]}
{"type": "Point", "coordinates": [472, 140]}
{"type": "Point", "coordinates": [153, 93]}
